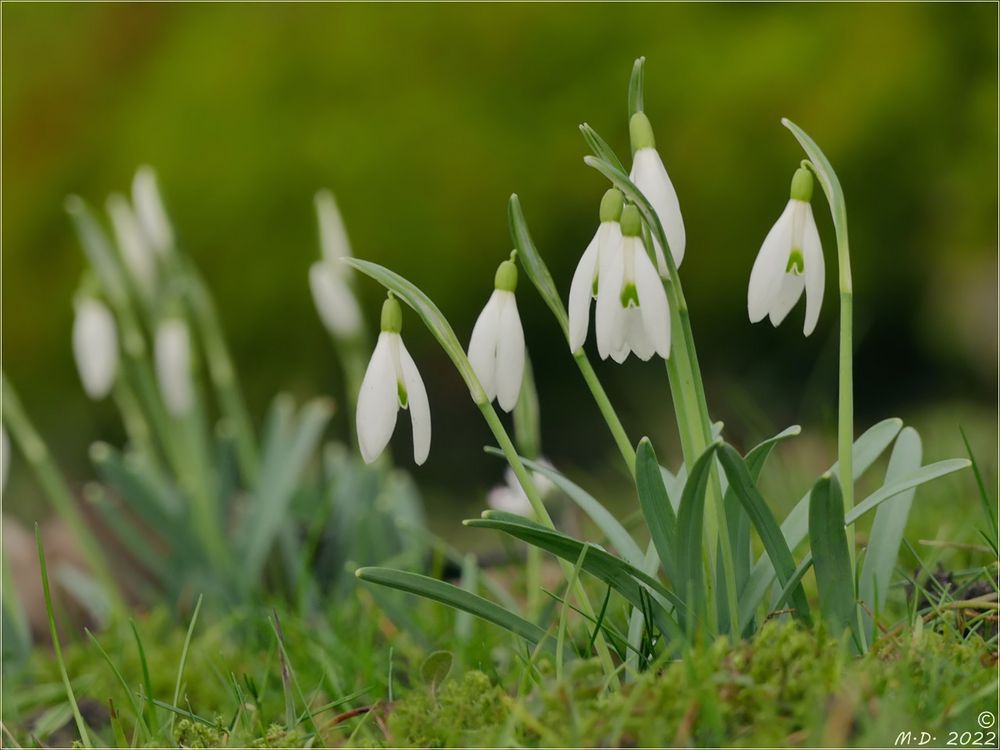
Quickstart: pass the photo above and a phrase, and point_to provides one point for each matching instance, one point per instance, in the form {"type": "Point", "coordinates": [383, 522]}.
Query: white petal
{"type": "Point", "coordinates": [815, 272]}
{"type": "Point", "coordinates": [509, 500]}
{"type": "Point", "coordinates": [95, 347]}
{"type": "Point", "coordinates": [483, 345]}
{"type": "Point", "coordinates": [769, 267]}
{"type": "Point", "coordinates": [333, 240]}
{"type": "Point", "coordinates": [334, 299]}
{"type": "Point", "coordinates": [510, 353]}
{"type": "Point", "coordinates": [652, 303]}
{"type": "Point", "coordinates": [173, 366]}
{"type": "Point", "coordinates": [635, 333]}
{"type": "Point", "coordinates": [150, 211]}
{"type": "Point", "coordinates": [420, 410]}
{"type": "Point", "coordinates": [608, 318]}
{"type": "Point", "coordinates": [580, 294]}
{"type": "Point", "coordinates": [650, 176]}
{"type": "Point", "coordinates": [378, 400]}
{"type": "Point", "coordinates": [138, 256]}
{"type": "Point", "coordinates": [788, 294]}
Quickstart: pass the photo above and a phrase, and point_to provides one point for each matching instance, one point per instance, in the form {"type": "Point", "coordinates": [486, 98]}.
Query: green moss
{"type": "Point", "coordinates": [463, 712]}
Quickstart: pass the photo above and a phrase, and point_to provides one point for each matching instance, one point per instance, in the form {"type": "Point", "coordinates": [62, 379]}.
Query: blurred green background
{"type": "Point", "coordinates": [423, 120]}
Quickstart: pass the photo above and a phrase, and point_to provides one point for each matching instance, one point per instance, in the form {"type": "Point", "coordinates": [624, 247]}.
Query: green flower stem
{"type": "Point", "coordinates": [37, 455]}
{"type": "Point", "coordinates": [510, 452]}
{"type": "Point", "coordinates": [606, 409]}
{"type": "Point", "coordinates": [222, 374]}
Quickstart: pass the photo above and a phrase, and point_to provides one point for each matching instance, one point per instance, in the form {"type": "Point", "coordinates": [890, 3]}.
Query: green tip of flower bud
{"type": "Point", "coordinates": [392, 316]}
{"type": "Point", "coordinates": [641, 132]}
{"type": "Point", "coordinates": [802, 185]}
{"type": "Point", "coordinates": [612, 204]}
{"type": "Point", "coordinates": [506, 276]}
{"type": "Point", "coordinates": [631, 222]}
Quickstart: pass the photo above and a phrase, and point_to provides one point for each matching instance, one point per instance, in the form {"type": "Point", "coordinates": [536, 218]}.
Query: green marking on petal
{"type": "Point", "coordinates": [401, 393]}
{"type": "Point", "coordinates": [796, 263]}
{"type": "Point", "coordinates": [630, 295]}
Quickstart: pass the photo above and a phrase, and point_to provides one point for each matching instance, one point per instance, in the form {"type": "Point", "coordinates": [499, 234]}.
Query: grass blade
{"type": "Point", "coordinates": [616, 534]}
{"type": "Point", "coordinates": [690, 521]}
{"type": "Point", "coordinates": [184, 654]}
{"type": "Point", "coordinates": [887, 530]}
{"type": "Point", "coordinates": [795, 527]}
{"type": "Point", "coordinates": [831, 556]}
{"type": "Point", "coordinates": [767, 528]}
{"type": "Point", "coordinates": [121, 681]}
{"type": "Point", "coordinates": [989, 505]}
{"type": "Point", "coordinates": [453, 596]}
{"type": "Point", "coordinates": [81, 725]}
{"type": "Point", "coordinates": [151, 719]}
{"type": "Point", "coordinates": [656, 507]}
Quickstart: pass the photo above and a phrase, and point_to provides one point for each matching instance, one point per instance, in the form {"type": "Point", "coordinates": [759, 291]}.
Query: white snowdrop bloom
{"type": "Point", "coordinates": [789, 262]}
{"type": "Point", "coordinates": [586, 279]}
{"type": "Point", "coordinates": [632, 312]}
{"type": "Point", "coordinates": [173, 365]}
{"type": "Point", "coordinates": [135, 249]}
{"type": "Point", "coordinates": [95, 346]}
{"type": "Point", "coordinates": [392, 381]}
{"type": "Point", "coordinates": [496, 349]}
{"type": "Point", "coordinates": [650, 176]}
{"type": "Point", "coordinates": [150, 211]}
{"type": "Point", "coordinates": [4, 458]}
{"type": "Point", "coordinates": [334, 299]}
{"type": "Point", "coordinates": [509, 496]}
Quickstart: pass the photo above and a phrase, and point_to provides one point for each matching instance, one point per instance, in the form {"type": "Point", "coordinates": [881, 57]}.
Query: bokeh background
{"type": "Point", "coordinates": [423, 120]}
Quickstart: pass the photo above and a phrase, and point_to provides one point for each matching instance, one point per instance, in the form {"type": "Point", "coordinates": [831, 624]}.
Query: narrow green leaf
{"type": "Point", "coordinates": [626, 579]}
{"type": "Point", "coordinates": [278, 480]}
{"type": "Point", "coordinates": [656, 508]}
{"type": "Point", "coordinates": [140, 718]}
{"type": "Point", "coordinates": [795, 527]}
{"type": "Point", "coordinates": [831, 556]}
{"type": "Point", "coordinates": [445, 593]}
{"type": "Point", "coordinates": [600, 147]}
{"type": "Point", "coordinates": [767, 528]}
{"type": "Point", "coordinates": [98, 249]}
{"type": "Point", "coordinates": [989, 505]}
{"type": "Point", "coordinates": [635, 86]}
{"type": "Point", "coordinates": [914, 479]}
{"type": "Point", "coordinates": [432, 317]}
{"type": "Point", "coordinates": [184, 656]}
{"type": "Point", "coordinates": [533, 264]}
{"type": "Point", "coordinates": [151, 719]}
{"type": "Point", "coordinates": [690, 520]}
{"type": "Point", "coordinates": [616, 534]}
{"type": "Point", "coordinates": [887, 530]}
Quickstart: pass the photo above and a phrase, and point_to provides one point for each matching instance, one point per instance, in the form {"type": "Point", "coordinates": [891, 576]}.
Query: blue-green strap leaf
{"type": "Point", "coordinates": [656, 507]}
{"type": "Point", "coordinates": [690, 520]}
{"type": "Point", "coordinates": [831, 556]}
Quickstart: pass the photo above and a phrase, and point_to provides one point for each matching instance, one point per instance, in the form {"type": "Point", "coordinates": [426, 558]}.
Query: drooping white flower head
{"type": "Point", "coordinates": [496, 349]}
{"type": "Point", "coordinates": [632, 312]}
{"type": "Point", "coordinates": [329, 278]}
{"type": "Point", "coordinates": [392, 381]}
{"type": "Point", "coordinates": [509, 496]}
{"type": "Point", "coordinates": [650, 176]}
{"type": "Point", "coordinates": [173, 365]}
{"type": "Point", "coordinates": [139, 257]}
{"type": "Point", "coordinates": [789, 262]}
{"type": "Point", "coordinates": [95, 346]}
{"type": "Point", "coordinates": [150, 211]}
{"type": "Point", "coordinates": [586, 279]}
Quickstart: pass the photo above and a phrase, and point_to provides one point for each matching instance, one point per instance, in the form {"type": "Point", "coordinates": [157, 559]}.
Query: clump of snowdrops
{"type": "Point", "coordinates": [698, 575]}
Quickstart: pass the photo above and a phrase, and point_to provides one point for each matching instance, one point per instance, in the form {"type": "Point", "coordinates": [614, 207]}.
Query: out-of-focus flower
{"type": "Point", "coordinates": [509, 496]}
{"type": "Point", "coordinates": [150, 211]}
{"type": "Point", "coordinates": [139, 257]}
{"type": "Point", "coordinates": [95, 346]}
{"type": "Point", "coordinates": [329, 279]}
{"type": "Point", "coordinates": [173, 365]}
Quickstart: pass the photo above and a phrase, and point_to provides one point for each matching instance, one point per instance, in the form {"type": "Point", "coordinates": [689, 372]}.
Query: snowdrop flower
{"type": "Point", "coordinates": [150, 211]}
{"type": "Point", "coordinates": [632, 313]}
{"type": "Point", "coordinates": [789, 262]}
{"type": "Point", "coordinates": [650, 176]}
{"type": "Point", "coordinates": [329, 279]}
{"type": "Point", "coordinates": [392, 381]}
{"type": "Point", "coordinates": [173, 365]}
{"type": "Point", "coordinates": [509, 497]}
{"type": "Point", "coordinates": [586, 279]}
{"type": "Point", "coordinates": [496, 349]}
{"type": "Point", "coordinates": [95, 346]}
{"type": "Point", "coordinates": [136, 252]}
